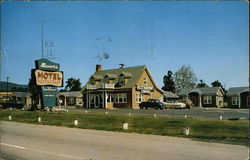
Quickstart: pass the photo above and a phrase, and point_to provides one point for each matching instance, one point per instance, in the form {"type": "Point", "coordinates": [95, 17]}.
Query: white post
{"type": "Point", "coordinates": [39, 119]}
{"type": "Point", "coordinates": [125, 126]}
{"type": "Point", "coordinates": [106, 112]}
{"type": "Point", "coordinates": [154, 115]}
{"type": "Point", "coordinates": [220, 117]}
{"type": "Point", "coordinates": [10, 108]}
{"type": "Point", "coordinates": [186, 131]}
{"type": "Point", "coordinates": [86, 112]}
{"type": "Point", "coordinates": [129, 114]}
{"type": "Point", "coordinates": [10, 118]}
{"type": "Point", "coordinates": [75, 122]}
{"type": "Point", "coordinates": [185, 116]}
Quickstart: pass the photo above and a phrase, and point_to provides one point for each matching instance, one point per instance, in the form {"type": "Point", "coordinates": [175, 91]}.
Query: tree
{"type": "Point", "coordinates": [168, 82]}
{"type": "Point", "coordinates": [202, 84]}
{"type": "Point", "coordinates": [73, 84]}
{"type": "Point", "coordinates": [34, 91]}
{"type": "Point", "coordinates": [216, 84]}
{"type": "Point", "coordinates": [184, 78]}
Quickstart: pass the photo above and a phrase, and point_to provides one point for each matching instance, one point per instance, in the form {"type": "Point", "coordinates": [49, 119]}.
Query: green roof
{"type": "Point", "coordinates": [206, 90]}
{"type": "Point", "coordinates": [237, 90]}
{"type": "Point", "coordinates": [132, 72]}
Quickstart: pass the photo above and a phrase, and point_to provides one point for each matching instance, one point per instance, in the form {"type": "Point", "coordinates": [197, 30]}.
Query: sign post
{"type": "Point", "coordinates": [47, 78]}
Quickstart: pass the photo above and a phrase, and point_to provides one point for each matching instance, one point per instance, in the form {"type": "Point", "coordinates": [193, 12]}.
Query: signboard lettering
{"type": "Point", "coordinates": [48, 78]}
{"type": "Point", "coordinates": [144, 88]}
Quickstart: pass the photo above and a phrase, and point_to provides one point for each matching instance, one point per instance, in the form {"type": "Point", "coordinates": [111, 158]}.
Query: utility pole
{"type": "Point", "coordinates": [7, 96]}
{"type": "Point", "coordinates": [42, 37]}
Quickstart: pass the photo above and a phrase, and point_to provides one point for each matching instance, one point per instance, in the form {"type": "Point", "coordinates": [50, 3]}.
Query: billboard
{"type": "Point", "coordinates": [49, 78]}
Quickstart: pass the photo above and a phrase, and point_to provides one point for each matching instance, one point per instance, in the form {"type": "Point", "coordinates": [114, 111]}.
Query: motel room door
{"type": "Point", "coordinates": [98, 101]}
{"type": "Point", "coordinates": [248, 102]}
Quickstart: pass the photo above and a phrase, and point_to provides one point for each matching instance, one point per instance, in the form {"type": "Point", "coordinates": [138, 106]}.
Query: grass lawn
{"type": "Point", "coordinates": [225, 131]}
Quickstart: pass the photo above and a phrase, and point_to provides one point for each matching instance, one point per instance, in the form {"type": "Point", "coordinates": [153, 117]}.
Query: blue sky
{"type": "Point", "coordinates": [211, 37]}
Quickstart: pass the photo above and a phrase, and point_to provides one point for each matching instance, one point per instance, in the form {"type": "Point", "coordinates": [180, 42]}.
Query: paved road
{"type": "Point", "coordinates": [36, 142]}
{"type": "Point", "coordinates": [241, 114]}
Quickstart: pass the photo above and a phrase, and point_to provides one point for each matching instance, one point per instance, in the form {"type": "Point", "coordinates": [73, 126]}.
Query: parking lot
{"type": "Point", "coordinates": [215, 113]}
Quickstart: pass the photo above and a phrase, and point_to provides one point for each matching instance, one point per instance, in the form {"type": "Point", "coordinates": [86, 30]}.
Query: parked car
{"type": "Point", "coordinates": [152, 103]}
{"type": "Point", "coordinates": [189, 104]}
{"type": "Point", "coordinates": [11, 105]}
{"type": "Point", "coordinates": [175, 105]}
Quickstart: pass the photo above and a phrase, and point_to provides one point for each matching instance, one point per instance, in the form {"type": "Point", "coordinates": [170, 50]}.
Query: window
{"type": "Point", "coordinates": [139, 98]}
{"type": "Point", "coordinates": [235, 100]}
{"type": "Point", "coordinates": [145, 81]}
{"type": "Point", "coordinates": [121, 81]}
{"type": "Point", "coordinates": [207, 99]}
{"type": "Point", "coordinates": [118, 98]}
{"type": "Point", "coordinates": [71, 100]}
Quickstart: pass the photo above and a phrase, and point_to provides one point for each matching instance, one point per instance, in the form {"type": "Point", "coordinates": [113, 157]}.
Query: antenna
{"type": "Point", "coordinates": [122, 65]}
{"type": "Point", "coordinates": [42, 37]}
{"type": "Point", "coordinates": [49, 44]}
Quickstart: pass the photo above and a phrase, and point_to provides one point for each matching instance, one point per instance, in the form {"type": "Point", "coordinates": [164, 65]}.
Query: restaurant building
{"type": "Point", "coordinates": [120, 88]}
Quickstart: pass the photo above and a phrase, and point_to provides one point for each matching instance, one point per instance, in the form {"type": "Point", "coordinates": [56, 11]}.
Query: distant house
{"type": "Point", "coordinates": [71, 98]}
{"type": "Point", "coordinates": [169, 96]}
{"type": "Point", "coordinates": [22, 97]}
{"type": "Point", "coordinates": [204, 97]}
{"type": "Point", "coordinates": [238, 97]}
{"type": "Point", "coordinates": [123, 87]}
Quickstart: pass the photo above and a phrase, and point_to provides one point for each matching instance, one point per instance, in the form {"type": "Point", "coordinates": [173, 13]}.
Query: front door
{"type": "Point", "coordinates": [248, 101]}
{"type": "Point", "coordinates": [194, 97]}
{"type": "Point", "coordinates": [96, 101]}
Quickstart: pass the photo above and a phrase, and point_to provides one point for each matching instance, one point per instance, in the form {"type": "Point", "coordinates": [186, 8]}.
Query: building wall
{"type": "Point", "coordinates": [155, 93]}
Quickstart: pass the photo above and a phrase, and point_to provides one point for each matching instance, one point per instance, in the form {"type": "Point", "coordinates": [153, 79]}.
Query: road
{"type": "Point", "coordinates": [214, 113]}
{"type": "Point", "coordinates": [37, 142]}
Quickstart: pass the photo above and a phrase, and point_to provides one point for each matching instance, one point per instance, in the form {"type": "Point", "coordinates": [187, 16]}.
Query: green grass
{"type": "Point", "coordinates": [224, 131]}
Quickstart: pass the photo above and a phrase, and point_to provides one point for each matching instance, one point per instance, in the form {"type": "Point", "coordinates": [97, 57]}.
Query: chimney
{"type": "Point", "coordinates": [98, 67]}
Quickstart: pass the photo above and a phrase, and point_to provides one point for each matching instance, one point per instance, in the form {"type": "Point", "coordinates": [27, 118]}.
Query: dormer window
{"type": "Point", "coordinates": [124, 78]}
{"type": "Point", "coordinates": [121, 81]}
{"type": "Point", "coordinates": [108, 78]}
{"type": "Point", "coordinates": [145, 81]}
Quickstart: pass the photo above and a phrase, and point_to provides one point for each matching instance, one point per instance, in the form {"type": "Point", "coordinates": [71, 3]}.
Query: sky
{"type": "Point", "coordinates": [212, 37]}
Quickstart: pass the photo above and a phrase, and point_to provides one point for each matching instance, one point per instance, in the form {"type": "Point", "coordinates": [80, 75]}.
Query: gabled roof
{"type": "Point", "coordinates": [126, 74]}
{"type": "Point", "coordinates": [169, 94]}
{"type": "Point", "coordinates": [21, 94]}
{"type": "Point", "coordinates": [110, 76]}
{"type": "Point", "coordinates": [207, 90]}
{"type": "Point", "coordinates": [70, 94]}
{"type": "Point", "coordinates": [97, 77]}
{"type": "Point", "coordinates": [135, 73]}
{"type": "Point", "coordinates": [237, 90]}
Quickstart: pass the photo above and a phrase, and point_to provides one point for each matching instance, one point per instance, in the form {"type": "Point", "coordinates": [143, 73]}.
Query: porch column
{"type": "Point", "coordinates": [239, 100]}
{"type": "Point", "coordinates": [89, 99]}
{"type": "Point", "coordinates": [200, 100]}
{"type": "Point", "coordinates": [87, 103]}
{"type": "Point", "coordinates": [187, 96]}
{"type": "Point", "coordinates": [105, 95]}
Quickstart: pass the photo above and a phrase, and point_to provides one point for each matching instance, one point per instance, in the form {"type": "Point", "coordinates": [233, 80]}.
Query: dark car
{"type": "Point", "coordinates": [152, 103]}
{"type": "Point", "coordinates": [11, 105]}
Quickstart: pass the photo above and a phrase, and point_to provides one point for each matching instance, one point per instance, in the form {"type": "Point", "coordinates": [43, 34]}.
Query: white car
{"type": "Point", "coordinates": [176, 104]}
